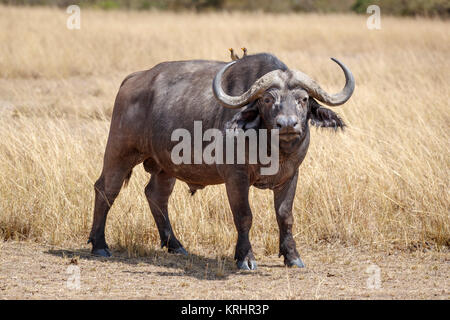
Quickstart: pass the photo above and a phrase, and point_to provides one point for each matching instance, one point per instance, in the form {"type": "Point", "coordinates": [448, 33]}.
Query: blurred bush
{"type": "Point", "coordinates": [393, 7]}
{"type": "Point", "coordinates": [406, 8]}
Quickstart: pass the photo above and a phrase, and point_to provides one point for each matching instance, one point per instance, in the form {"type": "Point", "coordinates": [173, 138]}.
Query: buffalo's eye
{"type": "Point", "coordinates": [267, 100]}
{"type": "Point", "coordinates": [303, 99]}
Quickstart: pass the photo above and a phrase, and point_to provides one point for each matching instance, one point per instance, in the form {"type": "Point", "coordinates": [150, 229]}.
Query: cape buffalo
{"type": "Point", "coordinates": [256, 92]}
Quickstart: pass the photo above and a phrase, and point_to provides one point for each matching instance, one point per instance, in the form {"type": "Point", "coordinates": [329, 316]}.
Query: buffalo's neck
{"type": "Point", "coordinates": [289, 161]}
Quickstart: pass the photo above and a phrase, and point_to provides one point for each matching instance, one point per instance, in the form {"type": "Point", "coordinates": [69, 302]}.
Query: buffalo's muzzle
{"type": "Point", "coordinates": [288, 125]}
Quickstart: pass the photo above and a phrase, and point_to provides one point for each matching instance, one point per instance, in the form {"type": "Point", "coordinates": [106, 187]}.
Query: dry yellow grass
{"type": "Point", "coordinates": [383, 182]}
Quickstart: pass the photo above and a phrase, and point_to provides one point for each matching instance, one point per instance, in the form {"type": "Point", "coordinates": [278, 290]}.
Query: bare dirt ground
{"type": "Point", "coordinates": [34, 271]}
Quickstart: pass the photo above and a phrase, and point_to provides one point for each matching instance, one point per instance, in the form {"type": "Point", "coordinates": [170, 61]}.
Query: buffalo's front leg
{"type": "Point", "coordinates": [237, 191]}
{"type": "Point", "coordinates": [158, 192]}
{"type": "Point", "coordinates": [284, 198]}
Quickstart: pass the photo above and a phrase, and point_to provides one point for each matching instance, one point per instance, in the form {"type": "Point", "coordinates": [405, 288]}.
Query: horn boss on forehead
{"type": "Point", "coordinates": [255, 91]}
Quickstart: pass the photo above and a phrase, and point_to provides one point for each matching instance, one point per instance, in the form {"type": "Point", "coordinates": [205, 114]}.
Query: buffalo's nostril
{"type": "Point", "coordinates": [292, 122]}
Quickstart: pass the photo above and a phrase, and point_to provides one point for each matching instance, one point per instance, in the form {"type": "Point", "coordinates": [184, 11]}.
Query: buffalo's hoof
{"type": "Point", "coordinates": [247, 265]}
{"type": "Point", "coordinates": [179, 250]}
{"type": "Point", "coordinates": [295, 263]}
{"type": "Point", "coordinates": [104, 252]}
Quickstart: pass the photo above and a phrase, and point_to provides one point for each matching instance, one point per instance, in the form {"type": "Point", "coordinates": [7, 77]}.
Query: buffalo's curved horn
{"type": "Point", "coordinates": [255, 91]}
{"type": "Point", "coordinates": [314, 90]}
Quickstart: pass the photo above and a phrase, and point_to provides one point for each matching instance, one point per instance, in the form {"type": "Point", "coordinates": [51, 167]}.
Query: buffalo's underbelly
{"type": "Point", "coordinates": [197, 174]}
{"type": "Point", "coordinates": [201, 175]}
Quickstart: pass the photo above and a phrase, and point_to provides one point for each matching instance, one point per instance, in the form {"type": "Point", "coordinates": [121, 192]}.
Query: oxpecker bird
{"type": "Point", "coordinates": [233, 56]}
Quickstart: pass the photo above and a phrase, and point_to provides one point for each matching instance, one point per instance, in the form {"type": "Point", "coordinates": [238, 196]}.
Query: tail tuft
{"type": "Point", "coordinates": [127, 178]}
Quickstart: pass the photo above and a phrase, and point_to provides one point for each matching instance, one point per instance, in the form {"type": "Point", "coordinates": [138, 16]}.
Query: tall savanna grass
{"type": "Point", "coordinates": [382, 182]}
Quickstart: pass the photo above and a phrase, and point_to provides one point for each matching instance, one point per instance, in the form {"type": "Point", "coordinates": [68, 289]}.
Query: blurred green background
{"type": "Point", "coordinates": [393, 7]}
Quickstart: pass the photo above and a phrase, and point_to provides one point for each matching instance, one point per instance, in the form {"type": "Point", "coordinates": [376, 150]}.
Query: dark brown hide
{"type": "Point", "coordinates": [151, 104]}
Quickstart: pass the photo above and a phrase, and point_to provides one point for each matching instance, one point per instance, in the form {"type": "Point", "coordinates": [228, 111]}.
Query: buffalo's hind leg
{"type": "Point", "coordinates": [158, 191]}
{"type": "Point", "coordinates": [107, 188]}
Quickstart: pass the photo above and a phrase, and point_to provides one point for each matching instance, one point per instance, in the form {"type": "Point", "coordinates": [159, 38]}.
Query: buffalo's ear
{"type": "Point", "coordinates": [324, 117]}
{"type": "Point", "coordinates": [247, 118]}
